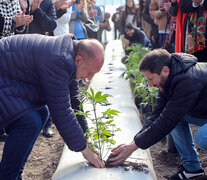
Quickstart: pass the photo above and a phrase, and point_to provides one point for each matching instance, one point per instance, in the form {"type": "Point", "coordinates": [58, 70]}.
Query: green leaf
{"type": "Point", "coordinates": [107, 133]}
{"type": "Point", "coordinates": [98, 95]}
{"type": "Point", "coordinates": [92, 93]}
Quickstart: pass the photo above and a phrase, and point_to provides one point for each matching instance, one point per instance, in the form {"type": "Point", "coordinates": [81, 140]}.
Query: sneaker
{"type": "Point", "coordinates": [184, 174]}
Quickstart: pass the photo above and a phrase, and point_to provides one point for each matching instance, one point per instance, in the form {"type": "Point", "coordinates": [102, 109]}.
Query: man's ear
{"type": "Point", "coordinates": [165, 71]}
{"type": "Point", "coordinates": [78, 60]}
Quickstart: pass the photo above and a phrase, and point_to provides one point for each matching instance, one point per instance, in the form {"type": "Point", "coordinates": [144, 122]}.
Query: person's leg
{"type": "Point", "coordinates": [22, 136]}
{"type": "Point", "coordinates": [44, 114]}
{"type": "Point", "coordinates": [182, 137]}
{"type": "Point", "coordinates": [201, 137]}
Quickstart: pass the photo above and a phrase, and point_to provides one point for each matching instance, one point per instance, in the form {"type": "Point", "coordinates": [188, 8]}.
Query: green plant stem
{"type": "Point", "coordinates": [96, 119]}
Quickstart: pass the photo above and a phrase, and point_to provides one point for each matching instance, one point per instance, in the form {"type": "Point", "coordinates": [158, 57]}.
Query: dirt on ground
{"type": "Point", "coordinates": [46, 153]}
{"type": "Point", "coordinates": [166, 163]}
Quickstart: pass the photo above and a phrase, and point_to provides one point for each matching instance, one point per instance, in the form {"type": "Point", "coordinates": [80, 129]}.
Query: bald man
{"type": "Point", "coordinates": [38, 73]}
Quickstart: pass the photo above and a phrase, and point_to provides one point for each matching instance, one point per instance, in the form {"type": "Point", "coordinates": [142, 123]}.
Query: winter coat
{"type": "Point", "coordinates": [37, 70]}
{"type": "Point", "coordinates": [62, 23]}
{"type": "Point", "coordinates": [139, 37]}
{"type": "Point", "coordinates": [185, 92]}
{"type": "Point", "coordinates": [160, 17]}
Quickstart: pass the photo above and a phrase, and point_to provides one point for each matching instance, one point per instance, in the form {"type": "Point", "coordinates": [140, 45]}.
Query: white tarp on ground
{"type": "Point", "coordinates": [72, 165]}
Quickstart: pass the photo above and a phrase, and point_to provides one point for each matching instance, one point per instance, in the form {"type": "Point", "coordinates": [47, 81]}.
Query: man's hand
{"type": "Point", "coordinates": [22, 19]}
{"type": "Point", "coordinates": [173, 1]}
{"type": "Point", "coordinates": [122, 152]}
{"type": "Point", "coordinates": [92, 158]}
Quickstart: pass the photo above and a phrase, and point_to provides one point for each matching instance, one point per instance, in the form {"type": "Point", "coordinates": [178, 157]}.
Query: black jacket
{"type": "Point", "coordinates": [185, 92]}
{"type": "Point", "coordinates": [139, 37]}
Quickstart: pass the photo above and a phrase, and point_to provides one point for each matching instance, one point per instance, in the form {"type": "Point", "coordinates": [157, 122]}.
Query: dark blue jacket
{"type": "Point", "coordinates": [43, 19]}
{"type": "Point", "coordinates": [36, 70]}
{"type": "Point", "coordinates": [185, 92]}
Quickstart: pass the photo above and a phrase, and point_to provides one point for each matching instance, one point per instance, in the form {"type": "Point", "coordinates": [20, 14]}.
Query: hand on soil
{"type": "Point", "coordinates": [122, 152]}
{"type": "Point", "coordinates": [92, 158]}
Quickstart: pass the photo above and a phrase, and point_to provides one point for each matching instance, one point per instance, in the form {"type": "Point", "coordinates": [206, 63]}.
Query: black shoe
{"type": "Point", "coordinates": [184, 174]}
{"type": "Point", "coordinates": [47, 132]}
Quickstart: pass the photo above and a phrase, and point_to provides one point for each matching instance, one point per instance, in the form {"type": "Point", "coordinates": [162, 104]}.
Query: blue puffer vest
{"type": "Point", "coordinates": [36, 70]}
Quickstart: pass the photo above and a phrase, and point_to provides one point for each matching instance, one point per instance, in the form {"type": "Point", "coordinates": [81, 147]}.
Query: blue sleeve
{"type": "Point", "coordinates": [46, 20]}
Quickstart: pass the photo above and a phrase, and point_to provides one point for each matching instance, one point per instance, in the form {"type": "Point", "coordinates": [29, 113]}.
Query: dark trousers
{"type": "Point", "coordinates": [22, 135]}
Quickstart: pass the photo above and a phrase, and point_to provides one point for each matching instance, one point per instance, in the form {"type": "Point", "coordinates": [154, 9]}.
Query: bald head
{"type": "Point", "coordinates": [90, 52]}
{"type": "Point", "coordinates": [90, 48]}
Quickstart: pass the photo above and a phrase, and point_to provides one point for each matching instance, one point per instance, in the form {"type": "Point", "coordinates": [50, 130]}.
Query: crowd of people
{"type": "Point", "coordinates": [40, 70]}
{"type": "Point", "coordinates": [174, 25]}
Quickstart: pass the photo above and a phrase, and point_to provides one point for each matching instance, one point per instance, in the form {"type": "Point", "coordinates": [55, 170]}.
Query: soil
{"type": "Point", "coordinates": [166, 163]}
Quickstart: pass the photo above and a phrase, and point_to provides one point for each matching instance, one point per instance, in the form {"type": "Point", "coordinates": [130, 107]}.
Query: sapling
{"type": "Point", "coordinates": [102, 129]}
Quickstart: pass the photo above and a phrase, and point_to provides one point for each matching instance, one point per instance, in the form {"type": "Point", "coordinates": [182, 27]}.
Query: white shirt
{"type": "Point", "coordinates": [63, 23]}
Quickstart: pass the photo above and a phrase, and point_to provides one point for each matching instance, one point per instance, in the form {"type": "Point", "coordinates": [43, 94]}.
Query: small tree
{"type": "Point", "coordinates": [101, 132]}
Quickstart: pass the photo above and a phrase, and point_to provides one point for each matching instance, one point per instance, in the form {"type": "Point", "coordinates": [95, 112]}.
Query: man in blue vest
{"type": "Point", "coordinates": [38, 73]}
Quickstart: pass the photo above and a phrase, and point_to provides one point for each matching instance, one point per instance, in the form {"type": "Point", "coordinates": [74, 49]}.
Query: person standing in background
{"type": "Point", "coordinates": [161, 18]}
{"type": "Point", "coordinates": [63, 21]}
{"type": "Point", "coordinates": [129, 15]}
{"type": "Point", "coordinates": [116, 20]}
{"type": "Point", "coordinates": [44, 16]}
{"type": "Point", "coordinates": [97, 15]}
{"type": "Point", "coordinates": [77, 20]}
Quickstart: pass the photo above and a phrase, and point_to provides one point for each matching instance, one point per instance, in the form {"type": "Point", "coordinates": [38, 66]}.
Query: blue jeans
{"type": "Point", "coordinates": [22, 135]}
{"type": "Point", "coordinates": [182, 137]}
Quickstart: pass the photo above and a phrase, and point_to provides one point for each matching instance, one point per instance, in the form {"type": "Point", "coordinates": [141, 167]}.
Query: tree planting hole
{"type": "Point", "coordinates": [106, 104]}
{"type": "Point", "coordinates": [108, 88]}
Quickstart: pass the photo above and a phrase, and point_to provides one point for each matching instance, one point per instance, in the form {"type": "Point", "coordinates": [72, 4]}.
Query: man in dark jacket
{"type": "Point", "coordinates": [182, 100]}
{"type": "Point", "coordinates": [35, 71]}
{"type": "Point", "coordinates": [136, 36]}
